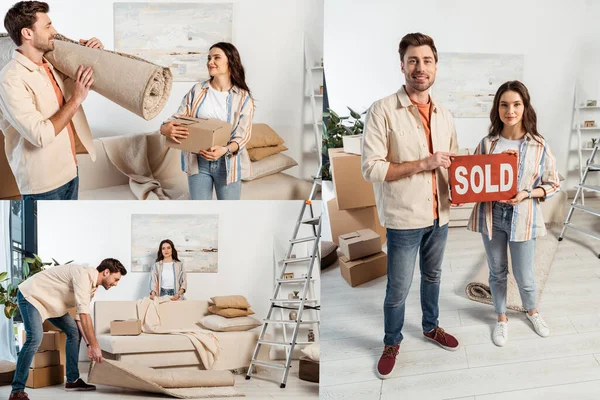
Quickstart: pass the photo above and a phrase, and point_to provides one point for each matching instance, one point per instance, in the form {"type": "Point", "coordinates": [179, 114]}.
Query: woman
{"type": "Point", "coordinates": [224, 96]}
{"type": "Point", "coordinates": [516, 222]}
{"type": "Point", "coordinates": [168, 278]}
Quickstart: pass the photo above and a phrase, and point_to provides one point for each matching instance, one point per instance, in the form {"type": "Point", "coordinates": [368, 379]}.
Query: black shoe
{"type": "Point", "coordinates": [79, 386]}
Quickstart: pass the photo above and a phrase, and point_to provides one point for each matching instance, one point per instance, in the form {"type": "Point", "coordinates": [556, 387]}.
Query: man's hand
{"type": "Point", "coordinates": [214, 153]}
{"type": "Point", "coordinates": [438, 159]}
{"type": "Point", "coordinates": [93, 43]}
{"type": "Point", "coordinates": [174, 131]}
{"type": "Point", "coordinates": [519, 197]}
{"type": "Point", "coordinates": [83, 82]}
{"type": "Point", "coordinates": [95, 353]}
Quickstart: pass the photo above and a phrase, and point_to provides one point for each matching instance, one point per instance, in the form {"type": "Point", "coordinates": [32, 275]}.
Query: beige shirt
{"type": "Point", "coordinates": [394, 133]}
{"type": "Point", "coordinates": [53, 291]}
{"type": "Point", "coordinates": [40, 160]}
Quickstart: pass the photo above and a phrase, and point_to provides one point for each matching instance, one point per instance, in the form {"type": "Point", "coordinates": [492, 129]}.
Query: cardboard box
{"type": "Point", "coordinates": [344, 221]}
{"type": "Point", "coordinates": [353, 144]}
{"type": "Point", "coordinates": [363, 270]}
{"type": "Point", "coordinates": [42, 377]}
{"type": "Point", "coordinates": [50, 340]}
{"type": "Point", "coordinates": [43, 359]}
{"type": "Point", "coordinates": [9, 189]}
{"type": "Point", "coordinates": [48, 326]}
{"type": "Point", "coordinates": [130, 327]}
{"type": "Point", "coordinates": [203, 134]}
{"type": "Point", "coordinates": [351, 189]}
{"type": "Point", "coordinates": [360, 243]}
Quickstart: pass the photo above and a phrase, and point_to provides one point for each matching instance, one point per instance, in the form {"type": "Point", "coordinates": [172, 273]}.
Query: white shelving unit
{"type": "Point", "coordinates": [582, 113]}
{"type": "Point", "coordinates": [311, 144]}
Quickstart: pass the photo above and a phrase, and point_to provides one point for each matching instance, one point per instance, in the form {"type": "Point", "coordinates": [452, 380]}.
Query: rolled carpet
{"type": "Point", "coordinates": [179, 384]}
{"type": "Point", "coordinates": [133, 83]}
{"type": "Point", "coordinates": [479, 288]}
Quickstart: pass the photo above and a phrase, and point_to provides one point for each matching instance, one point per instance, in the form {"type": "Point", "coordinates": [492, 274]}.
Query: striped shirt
{"type": "Point", "coordinates": [536, 169]}
{"type": "Point", "coordinates": [240, 108]}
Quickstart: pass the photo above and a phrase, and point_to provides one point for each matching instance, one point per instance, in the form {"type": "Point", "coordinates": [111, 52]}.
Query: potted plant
{"type": "Point", "coordinates": [334, 128]}
{"type": "Point", "coordinates": [8, 294]}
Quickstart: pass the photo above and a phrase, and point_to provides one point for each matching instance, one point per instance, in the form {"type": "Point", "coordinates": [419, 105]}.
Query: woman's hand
{"type": "Point", "coordinates": [214, 153]}
{"type": "Point", "coordinates": [152, 296]}
{"type": "Point", "coordinates": [175, 298]}
{"type": "Point", "coordinates": [519, 197]}
{"type": "Point", "coordinates": [174, 131]}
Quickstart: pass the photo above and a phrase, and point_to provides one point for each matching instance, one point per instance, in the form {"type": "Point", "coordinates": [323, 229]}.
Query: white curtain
{"type": "Point", "coordinates": [7, 340]}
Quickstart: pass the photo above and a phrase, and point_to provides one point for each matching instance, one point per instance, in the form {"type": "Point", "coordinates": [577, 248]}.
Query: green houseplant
{"type": "Point", "coordinates": [334, 128]}
{"type": "Point", "coordinates": [8, 294]}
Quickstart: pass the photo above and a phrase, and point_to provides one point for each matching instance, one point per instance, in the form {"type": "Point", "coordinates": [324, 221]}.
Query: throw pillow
{"type": "Point", "coordinates": [312, 351]}
{"type": "Point", "coordinates": [328, 253]}
{"type": "Point", "coordinates": [269, 166]}
{"type": "Point", "coordinates": [235, 301]}
{"type": "Point", "coordinates": [230, 312]}
{"type": "Point", "coordinates": [258, 153]}
{"type": "Point", "coordinates": [263, 136]}
{"type": "Point", "coordinates": [220, 324]}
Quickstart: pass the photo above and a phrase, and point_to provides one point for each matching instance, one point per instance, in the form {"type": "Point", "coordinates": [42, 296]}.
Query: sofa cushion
{"type": "Point", "coordinates": [258, 153]}
{"type": "Point", "coordinates": [217, 323]}
{"type": "Point", "coordinates": [235, 301]}
{"type": "Point", "coordinates": [262, 136]}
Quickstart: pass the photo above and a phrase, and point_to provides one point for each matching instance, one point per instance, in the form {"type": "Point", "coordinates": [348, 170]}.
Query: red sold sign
{"type": "Point", "coordinates": [486, 177]}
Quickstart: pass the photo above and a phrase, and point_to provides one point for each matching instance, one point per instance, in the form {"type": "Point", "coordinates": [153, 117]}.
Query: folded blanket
{"type": "Point", "coordinates": [204, 341]}
{"type": "Point", "coordinates": [130, 155]}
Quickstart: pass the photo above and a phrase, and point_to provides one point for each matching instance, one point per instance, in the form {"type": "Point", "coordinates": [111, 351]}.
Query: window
{"type": "Point", "coordinates": [23, 234]}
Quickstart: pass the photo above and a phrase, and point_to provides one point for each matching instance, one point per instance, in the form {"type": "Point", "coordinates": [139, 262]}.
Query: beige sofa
{"type": "Point", "coordinates": [101, 180]}
{"type": "Point", "coordinates": [160, 351]}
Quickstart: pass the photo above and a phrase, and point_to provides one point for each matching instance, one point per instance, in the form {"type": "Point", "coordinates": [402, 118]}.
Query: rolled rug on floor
{"type": "Point", "coordinates": [179, 384]}
{"type": "Point", "coordinates": [479, 288]}
{"type": "Point", "coordinates": [131, 82]}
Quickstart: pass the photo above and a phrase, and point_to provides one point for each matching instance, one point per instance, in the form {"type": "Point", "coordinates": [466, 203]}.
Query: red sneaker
{"type": "Point", "coordinates": [442, 338]}
{"type": "Point", "coordinates": [18, 396]}
{"type": "Point", "coordinates": [386, 363]}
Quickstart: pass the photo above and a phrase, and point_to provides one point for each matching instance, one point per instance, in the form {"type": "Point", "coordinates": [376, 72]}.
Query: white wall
{"type": "Point", "coordinates": [362, 62]}
{"type": "Point", "coordinates": [89, 231]}
{"type": "Point", "coordinates": [268, 34]}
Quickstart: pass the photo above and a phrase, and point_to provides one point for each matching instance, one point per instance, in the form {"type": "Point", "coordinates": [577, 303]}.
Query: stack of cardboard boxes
{"type": "Point", "coordinates": [352, 212]}
{"type": "Point", "coordinates": [48, 365]}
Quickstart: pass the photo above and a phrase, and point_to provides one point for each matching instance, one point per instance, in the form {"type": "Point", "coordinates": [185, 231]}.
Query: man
{"type": "Point", "coordinates": [48, 295]}
{"type": "Point", "coordinates": [41, 117]}
{"type": "Point", "coordinates": [408, 142]}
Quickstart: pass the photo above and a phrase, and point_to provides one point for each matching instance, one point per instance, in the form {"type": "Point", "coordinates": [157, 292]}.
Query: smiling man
{"type": "Point", "coordinates": [40, 108]}
{"type": "Point", "coordinates": [408, 143]}
{"type": "Point", "coordinates": [48, 295]}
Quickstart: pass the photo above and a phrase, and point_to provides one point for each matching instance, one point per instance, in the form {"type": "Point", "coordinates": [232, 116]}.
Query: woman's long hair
{"type": "Point", "coordinates": [159, 255]}
{"type": "Point", "coordinates": [236, 69]}
{"type": "Point", "coordinates": [529, 115]}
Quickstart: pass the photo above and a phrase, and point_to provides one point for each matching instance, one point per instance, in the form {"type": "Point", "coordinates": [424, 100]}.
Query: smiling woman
{"type": "Point", "coordinates": [226, 97]}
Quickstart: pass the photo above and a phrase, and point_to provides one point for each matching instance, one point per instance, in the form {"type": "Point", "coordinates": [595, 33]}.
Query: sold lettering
{"type": "Point", "coordinates": [480, 178]}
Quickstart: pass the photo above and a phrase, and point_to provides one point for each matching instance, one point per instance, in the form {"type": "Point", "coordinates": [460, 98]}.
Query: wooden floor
{"type": "Point", "coordinates": [564, 365]}
{"type": "Point", "coordinates": [264, 386]}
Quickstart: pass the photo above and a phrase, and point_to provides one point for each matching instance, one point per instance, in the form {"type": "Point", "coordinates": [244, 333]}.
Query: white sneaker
{"type": "Point", "coordinates": [539, 325]}
{"type": "Point", "coordinates": [500, 335]}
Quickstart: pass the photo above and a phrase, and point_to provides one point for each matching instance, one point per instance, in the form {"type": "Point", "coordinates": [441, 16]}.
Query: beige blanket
{"type": "Point", "coordinates": [133, 83]}
{"type": "Point", "coordinates": [137, 157]}
{"type": "Point", "coordinates": [204, 341]}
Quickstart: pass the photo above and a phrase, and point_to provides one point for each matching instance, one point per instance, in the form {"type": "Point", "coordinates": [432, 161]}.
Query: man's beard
{"type": "Point", "coordinates": [420, 87]}
{"type": "Point", "coordinates": [43, 47]}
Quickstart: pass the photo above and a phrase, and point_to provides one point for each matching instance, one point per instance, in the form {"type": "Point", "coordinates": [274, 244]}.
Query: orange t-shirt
{"type": "Point", "coordinates": [61, 101]}
{"type": "Point", "coordinates": [425, 114]}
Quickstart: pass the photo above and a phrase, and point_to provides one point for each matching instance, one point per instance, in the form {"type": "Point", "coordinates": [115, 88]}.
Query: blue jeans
{"type": "Point", "coordinates": [521, 254]}
{"type": "Point", "coordinates": [167, 292]}
{"type": "Point", "coordinates": [68, 191]}
{"type": "Point", "coordinates": [402, 248]}
{"type": "Point", "coordinates": [32, 320]}
{"type": "Point", "coordinates": [213, 173]}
